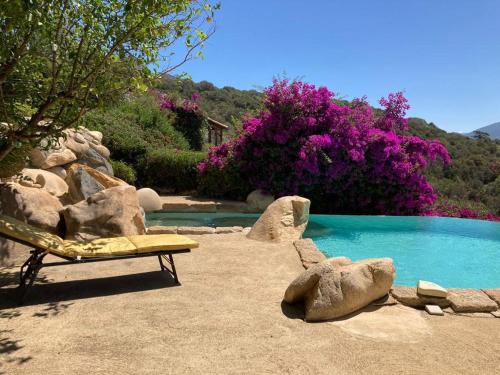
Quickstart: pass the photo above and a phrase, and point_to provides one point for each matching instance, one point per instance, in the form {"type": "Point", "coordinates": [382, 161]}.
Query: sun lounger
{"type": "Point", "coordinates": [164, 246]}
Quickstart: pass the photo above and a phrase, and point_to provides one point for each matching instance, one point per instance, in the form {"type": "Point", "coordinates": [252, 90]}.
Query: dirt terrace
{"type": "Point", "coordinates": [227, 317]}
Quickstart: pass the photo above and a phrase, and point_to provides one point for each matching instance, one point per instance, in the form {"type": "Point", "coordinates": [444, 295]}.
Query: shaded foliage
{"type": "Point", "coordinates": [169, 170]}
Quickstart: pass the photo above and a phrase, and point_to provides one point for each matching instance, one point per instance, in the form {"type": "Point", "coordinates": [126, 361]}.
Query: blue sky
{"type": "Point", "coordinates": [444, 54]}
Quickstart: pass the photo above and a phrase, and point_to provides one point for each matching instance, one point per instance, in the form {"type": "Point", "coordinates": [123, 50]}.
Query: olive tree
{"type": "Point", "coordinates": [60, 58]}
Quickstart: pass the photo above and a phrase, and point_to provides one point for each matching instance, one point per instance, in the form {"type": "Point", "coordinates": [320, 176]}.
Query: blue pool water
{"type": "Point", "coordinates": [453, 252]}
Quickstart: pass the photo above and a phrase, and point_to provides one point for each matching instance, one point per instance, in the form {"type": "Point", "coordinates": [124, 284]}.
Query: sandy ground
{"type": "Point", "coordinates": [126, 317]}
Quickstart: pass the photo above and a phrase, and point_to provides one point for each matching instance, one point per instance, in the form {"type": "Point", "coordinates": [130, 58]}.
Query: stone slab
{"type": "Point", "coordinates": [160, 229]}
{"type": "Point", "coordinates": [470, 301]}
{"type": "Point", "coordinates": [224, 230]}
{"type": "Point", "coordinates": [408, 296]}
{"type": "Point", "coordinates": [496, 314]}
{"type": "Point", "coordinates": [195, 230]}
{"type": "Point", "coordinates": [430, 289]}
{"type": "Point", "coordinates": [494, 294]}
{"type": "Point", "coordinates": [308, 252]}
{"type": "Point", "coordinates": [434, 310]}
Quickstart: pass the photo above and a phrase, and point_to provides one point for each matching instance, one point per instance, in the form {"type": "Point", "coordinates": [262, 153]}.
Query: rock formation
{"type": "Point", "coordinates": [111, 212]}
{"type": "Point", "coordinates": [337, 286]}
{"type": "Point", "coordinates": [284, 220]}
{"type": "Point", "coordinates": [32, 205]}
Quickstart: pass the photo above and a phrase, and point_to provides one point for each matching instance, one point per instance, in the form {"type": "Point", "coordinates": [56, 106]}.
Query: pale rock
{"type": "Point", "coordinates": [78, 147]}
{"type": "Point", "coordinates": [149, 200]}
{"type": "Point", "coordinates": [337, 287]}
{"type": "Point", "coordinates": [48, 159]}
{"type": "Point", "coordinates": [284, 220]}
{"type": "Point", "coordinates": [59, 171]}
{"type": "Point", "coordinates": [30, 205]}
{"type": "Point", "coordinates": [258, 200]}
{"type": "Point", "coordinates": [48, 181]}
{"type": "Point", "coordinates": [113, 212]}
{"type": "Point", "coordinates": [102, 150]}
{"type": "Point", "coordinates": [430, 289]}
{"type": "Point", "coordinates": [434, 310]}
{"type": "Point", "coordinates": [97, 135]}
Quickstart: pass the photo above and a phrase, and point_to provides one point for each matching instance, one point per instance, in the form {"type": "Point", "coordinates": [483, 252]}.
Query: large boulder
{"type": "Point", "coordinates": [31, 205]}
{"type": "Point", "coordinates": [149, 200]}
{"type": "Point", "coordinates": [112, 212]}
{"type": "Point", "coordinates": [258, 200]}
{"type": "Point", "coordinates": [95, 160]}
{"type": "Point", "coordinates": [48, 181]}
{"type": "Point", "coordinates": [338, 286]}
{"type": "Point", "coordinates": [46, 159]}
{"type": "Point", "coordinates": [284, 220]}
{"type": "Point", "coordinates": [83, 181]}
{"type": "Point", "coordinates": [76, 142]}
{"type": "Point", "coordinates": [81, 184]}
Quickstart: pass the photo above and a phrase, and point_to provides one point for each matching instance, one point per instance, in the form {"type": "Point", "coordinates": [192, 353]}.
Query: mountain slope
{"type": "Point", "coordinates": [493, 130]}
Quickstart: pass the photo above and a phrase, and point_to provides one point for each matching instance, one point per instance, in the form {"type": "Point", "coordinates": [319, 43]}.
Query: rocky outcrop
{"type": "Point", "coordinates": [94, 159]}
{"type": "Point", "coordinates": [284, 220]}
{"type": "Point", "coordinates": [83, 181]}
{"type": "Point", "coordinates": [149, 200]}
{"type": "Point", "coordinates": [338, 286]}
{"type": "Point", "coordinates": [76, 145]}
{"type": "Point", "coordinates": [52, 158]}
{"type": "Point", "coordinates": [258, 201]}
{"type": "Point", "coordinates": [31, 205]}
{"type": "Point", "coordinates": [81, 184]}
{"type": "Point", "coordinates": [47, 180]}
{"type": "Point", "coordinates": [109, 213]}
{"type": "Point", "coordinates": [308, 252]}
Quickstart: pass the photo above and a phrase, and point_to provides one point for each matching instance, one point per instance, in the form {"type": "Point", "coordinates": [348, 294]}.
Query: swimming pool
{"type": "Point", "coordinates": [458, 253]}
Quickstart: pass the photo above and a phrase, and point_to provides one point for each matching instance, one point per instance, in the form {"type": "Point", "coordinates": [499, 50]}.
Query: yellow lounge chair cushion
{"type": "Point", "coordinates": [30, 234]}
{"type": "Point", "coordinates": [100, 247]}
{"type": "Point", "coordinates": [157, 242]}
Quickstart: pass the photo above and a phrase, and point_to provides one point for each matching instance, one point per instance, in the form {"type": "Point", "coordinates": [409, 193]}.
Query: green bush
{"type": "Point", "coordinates": [170, 170]}
{"type": "Point", "coordinates": [124, 171]}
{"type": "Point", "coordinates": [227, 183]}
{"type": "Point", "coordinates": [191, 125]}
{"type": "Point", "coordinates": [134, 127]}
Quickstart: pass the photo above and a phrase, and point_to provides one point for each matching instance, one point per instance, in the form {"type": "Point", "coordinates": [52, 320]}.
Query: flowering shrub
{"type": "Point", "coordinates": [189, 119]}
{"type": "Point", "coordinates": [448, 209]}
{"type": "Point", "coordinates": [355, 160]}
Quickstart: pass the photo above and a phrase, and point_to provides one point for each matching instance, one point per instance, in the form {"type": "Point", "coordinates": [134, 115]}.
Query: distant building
{"type": "Point", "coordinates": [215, 131]}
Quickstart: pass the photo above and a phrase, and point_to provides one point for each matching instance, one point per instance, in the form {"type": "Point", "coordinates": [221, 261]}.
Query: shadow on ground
{"type": "Point", "coordinates": [8, 349]}
{"type": "Point", "coordinates": [43, 292]}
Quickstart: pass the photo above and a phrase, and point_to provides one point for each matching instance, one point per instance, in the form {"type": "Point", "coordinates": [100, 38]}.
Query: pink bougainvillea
{"type": "Point", "coordinates": [357, 160]}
